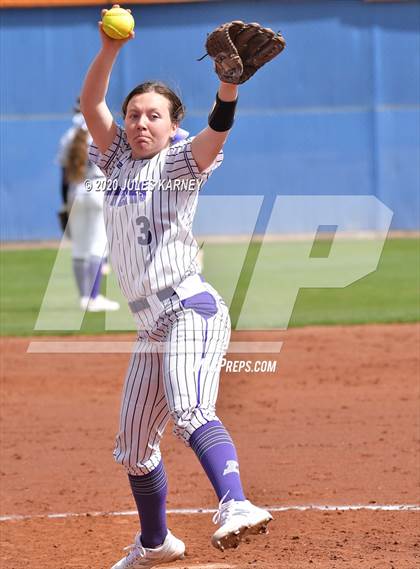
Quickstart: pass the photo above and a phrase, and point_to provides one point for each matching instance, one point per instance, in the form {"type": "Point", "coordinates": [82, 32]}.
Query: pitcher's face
{"type": "Point", "coordinates": [148, 124]}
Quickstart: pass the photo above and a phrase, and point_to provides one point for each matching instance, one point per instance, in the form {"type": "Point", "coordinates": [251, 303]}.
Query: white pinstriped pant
{"type": "Point", "coordinates": [175, 374]}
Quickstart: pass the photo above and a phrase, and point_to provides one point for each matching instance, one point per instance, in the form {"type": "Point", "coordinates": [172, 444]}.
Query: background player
{"type": "Point", "coordinates": [154, 254]}
{"type": "Point", "coordinates": [86, 221]}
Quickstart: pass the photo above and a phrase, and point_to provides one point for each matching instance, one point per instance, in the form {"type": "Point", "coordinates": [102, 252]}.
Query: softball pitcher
{"type": "Point", "coordinates": [183, 323]}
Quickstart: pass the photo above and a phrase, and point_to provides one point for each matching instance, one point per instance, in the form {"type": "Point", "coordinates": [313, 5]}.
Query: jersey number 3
{"type": "Point", "coordinates": [145, 233]}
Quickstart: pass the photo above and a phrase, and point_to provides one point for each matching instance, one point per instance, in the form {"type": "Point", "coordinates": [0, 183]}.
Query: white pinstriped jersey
{"type": "Point", "coordinates": [149, 208]}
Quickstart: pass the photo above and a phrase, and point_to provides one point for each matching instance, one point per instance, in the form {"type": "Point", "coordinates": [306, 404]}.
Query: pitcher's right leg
{"type": "Point", "coordinates": [144, 415]}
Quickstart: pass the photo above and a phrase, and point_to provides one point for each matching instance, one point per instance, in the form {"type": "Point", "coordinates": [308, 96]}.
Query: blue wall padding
{"type": "Point", "coordinates": [337, 113]}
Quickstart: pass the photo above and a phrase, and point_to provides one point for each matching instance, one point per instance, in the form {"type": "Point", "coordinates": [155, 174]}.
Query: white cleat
{"type": "Point", "coordinates": [101, 304]}
{"type": "Point", "coordinates": [140, 557]}
{"type": "Point", "coordinates": [238, 520]}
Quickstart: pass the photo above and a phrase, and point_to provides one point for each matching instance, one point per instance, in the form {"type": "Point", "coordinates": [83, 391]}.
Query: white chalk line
{"type": "Point", "coordinates": [202, 511]}
{"type": "Point", "coordinates": [207, 566]}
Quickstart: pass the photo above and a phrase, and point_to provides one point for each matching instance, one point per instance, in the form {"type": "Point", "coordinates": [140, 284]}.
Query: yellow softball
{"type": "Point", "coordinates": [117, 23]}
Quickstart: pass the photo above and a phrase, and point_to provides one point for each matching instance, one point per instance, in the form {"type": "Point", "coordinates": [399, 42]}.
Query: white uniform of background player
{"type": "Point", "coordinates": [87, 229]}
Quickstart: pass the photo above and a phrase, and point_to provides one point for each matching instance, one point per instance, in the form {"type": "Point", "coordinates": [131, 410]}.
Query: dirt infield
{"type": "Point", "coordinates": [336, 424]}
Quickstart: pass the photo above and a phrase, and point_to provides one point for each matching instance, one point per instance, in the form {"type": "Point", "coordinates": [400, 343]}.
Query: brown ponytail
{"type": "Point", "coordinates": [76, 162]}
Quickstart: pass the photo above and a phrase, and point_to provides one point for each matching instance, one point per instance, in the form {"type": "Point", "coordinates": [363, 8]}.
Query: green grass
{"type": "Point", "coordinates": [24, 278]}
{"type": "Point", "coordinates": [42, 279]}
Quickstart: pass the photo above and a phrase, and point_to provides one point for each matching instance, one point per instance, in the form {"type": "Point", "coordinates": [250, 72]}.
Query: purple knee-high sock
{"type": "Point", "coordinates": [216, 452]}
{"type": "Point", "coordinates": [150, 492]}
{"type": "Point", "coordinates": [95, 276]}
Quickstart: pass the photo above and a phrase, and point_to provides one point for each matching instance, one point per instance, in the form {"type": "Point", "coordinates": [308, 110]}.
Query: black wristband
{"type": "Point", "coordinates": [222, 116]}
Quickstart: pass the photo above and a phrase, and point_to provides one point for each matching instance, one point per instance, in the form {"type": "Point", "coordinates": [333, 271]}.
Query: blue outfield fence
{"type": "Point", "coordinates": [336, 114]}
